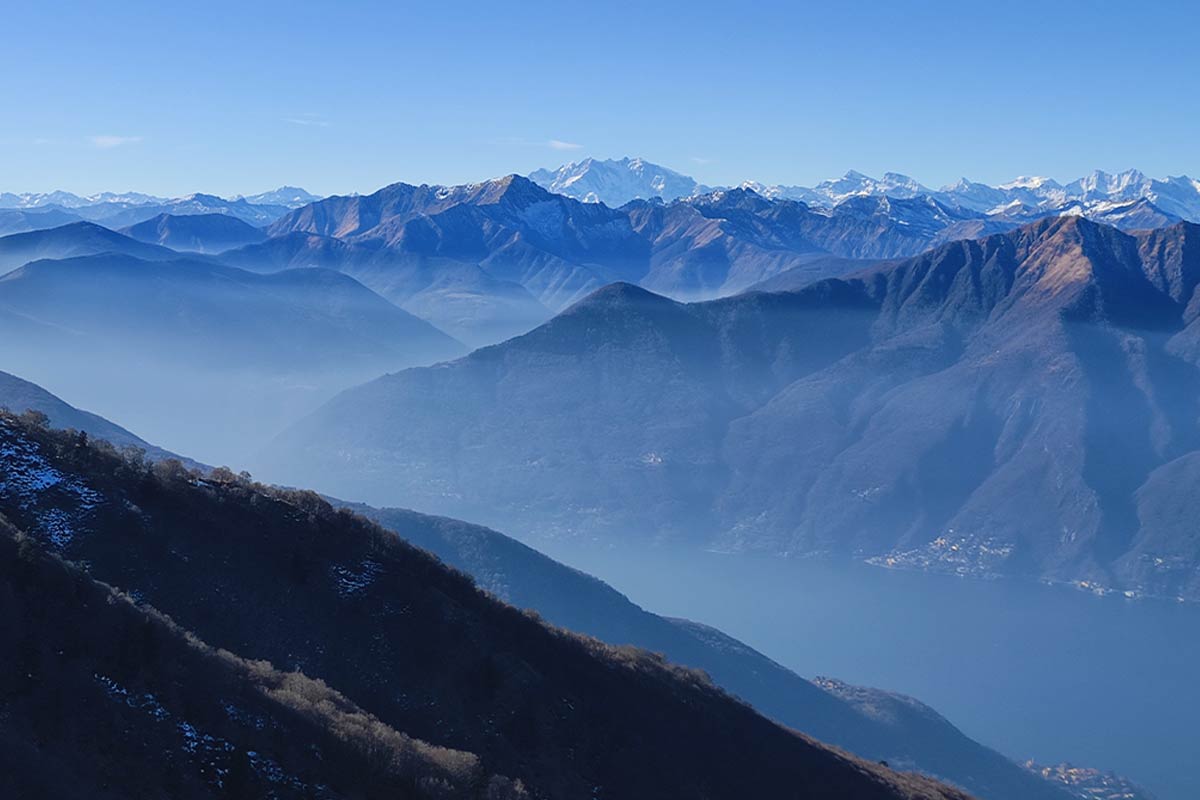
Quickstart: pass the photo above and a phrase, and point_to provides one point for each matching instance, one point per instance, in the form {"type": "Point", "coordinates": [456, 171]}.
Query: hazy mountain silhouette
{"type": "Point", "coordinates": [204, 357]}
{"type": "Point", "coordinates": [458, 297]}
{"type": "Point", "coordinates": [121, 214]}
{"type": "Point", "coordinates": [208, 312]}
{"type": "Point", "coordinates": [197, 233]}
{"type": "Point", "coordinates": [73, 240]}
{"type": "Point", "coordinates": [21, 220]}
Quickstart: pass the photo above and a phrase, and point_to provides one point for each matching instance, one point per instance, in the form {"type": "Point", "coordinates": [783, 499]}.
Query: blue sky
{"type": "Point", "coordinates": [239, 97]}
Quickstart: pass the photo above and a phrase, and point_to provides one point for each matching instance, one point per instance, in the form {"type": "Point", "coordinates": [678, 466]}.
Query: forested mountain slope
{"type": "Point", "coordinates": [282, 576]}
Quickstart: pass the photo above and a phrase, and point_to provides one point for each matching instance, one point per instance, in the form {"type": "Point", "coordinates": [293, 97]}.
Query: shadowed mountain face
{"type": "Point", "coordinates": [204, 357]}
{"type": "Point", "coordinates": [196, 233]}
{"type": "Point", "coordinates": [282, 577]}
{"type": "Point", "coordinates": [72, 241]}
{"type": "Point", "coordinates": [1021, 404]}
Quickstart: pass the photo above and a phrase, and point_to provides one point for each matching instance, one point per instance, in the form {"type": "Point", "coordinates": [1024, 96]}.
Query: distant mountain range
{"type": "Point", "coordinates": [483, 262]}
{"type": "Point", "coordinates": [1128, 200]}
{"type": "Point", "coordinates": [488, 261]}
{"type": "Point", "coordinates": [288, 196]}
{"type": "Point", "coordinates": [556, 247]}
{"type": "Point", "coordinates": [31, 211]}
{"type": "Point", "coordinates": [708, 244]}
{"type": "Point", "coordinates": [491, 260]}
{"type": "Point", "coordinates": [1022, 404]}
{"type": "Point", "coordinates": [559, 248]}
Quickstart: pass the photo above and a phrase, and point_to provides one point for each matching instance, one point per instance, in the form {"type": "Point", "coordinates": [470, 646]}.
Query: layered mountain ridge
{"type": "Point", "coordinates": [73, 240]}
{"type": "Point", "coordinates": [490, 260]}
{"type": "Point", "coordinates": [37, 210]}
{"type": "Point", "coordinates": [196, 233]}
{"type": "Point", "coordinates": [232, 352]}
{"type": "Point", "coordinates": [559, 249]}
{"type": "Point", "coordinates": [1022, 404]}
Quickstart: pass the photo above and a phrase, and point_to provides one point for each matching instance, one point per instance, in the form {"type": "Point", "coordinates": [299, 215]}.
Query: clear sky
{"type": "Point", "coordinates": [227, 97]}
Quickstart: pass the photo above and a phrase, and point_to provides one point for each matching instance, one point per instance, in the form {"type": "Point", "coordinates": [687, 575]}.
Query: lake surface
{"type": "Point", "coordinates": [1036, 671]}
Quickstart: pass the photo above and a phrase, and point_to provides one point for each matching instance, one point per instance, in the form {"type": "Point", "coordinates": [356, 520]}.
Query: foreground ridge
{"type": "Point", "coordinates": [405, 638]}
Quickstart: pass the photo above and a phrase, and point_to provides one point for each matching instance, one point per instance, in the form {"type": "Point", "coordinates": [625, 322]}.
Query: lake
{"type": "Point", "coordinates": [1036, 671]}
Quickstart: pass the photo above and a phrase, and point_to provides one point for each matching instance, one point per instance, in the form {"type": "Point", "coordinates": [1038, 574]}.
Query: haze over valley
{"type": "Point", "coordinates": [609, 403]}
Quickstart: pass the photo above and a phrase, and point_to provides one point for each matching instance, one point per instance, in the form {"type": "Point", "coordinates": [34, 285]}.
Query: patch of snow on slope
{"type": "Point", "coordinates": [57, 501]}
{"type": "Point", "coordinates": [352, 581]}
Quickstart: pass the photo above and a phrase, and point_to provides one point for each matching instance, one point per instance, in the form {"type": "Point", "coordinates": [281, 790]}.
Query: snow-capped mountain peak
{"type": "Point", "coordinates": [287, 196]}
{"type": "Point", "coordinates": [615, 182]}
{"type": "Point", "coordinates": [1033, 182]}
